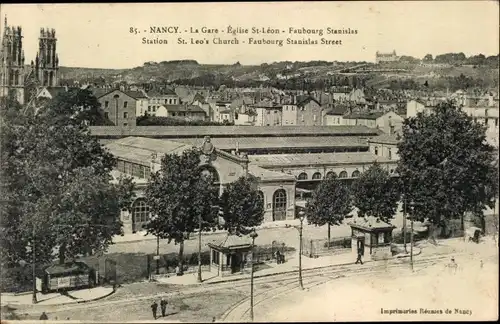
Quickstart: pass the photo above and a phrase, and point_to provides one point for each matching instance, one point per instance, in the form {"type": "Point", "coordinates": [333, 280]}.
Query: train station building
{"type": "Point", "coordinates": [287, 161]}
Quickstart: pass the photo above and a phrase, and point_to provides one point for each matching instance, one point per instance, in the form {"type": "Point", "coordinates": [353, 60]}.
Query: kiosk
{"type": "Point", "coordinates": [371, 236]}
{"type": "Point", "coordinates": [230, 255]}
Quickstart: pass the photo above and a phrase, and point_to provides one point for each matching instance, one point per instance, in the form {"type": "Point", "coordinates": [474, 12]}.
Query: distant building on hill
{"type": "Point", "coordinates": [386, 57]}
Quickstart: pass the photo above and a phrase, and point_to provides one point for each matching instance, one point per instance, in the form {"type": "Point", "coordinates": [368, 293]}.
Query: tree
{"type": "Point", "coordinates": [242, 206]}
{"type": "Point", "coordinates": [178, 196]}
{"type": "Point", "coordinates": [330, 203]}
{"type": "Point", "coordinates": [375, 193]}
{"type": "Point", "coordinates": [427, 58]}
{"type": "Point", "coordinates": [59, 187]}
{"type": "Point", "coordinates": [446, 165]}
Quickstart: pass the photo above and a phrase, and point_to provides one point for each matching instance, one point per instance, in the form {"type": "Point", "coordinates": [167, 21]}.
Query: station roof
{"type": "Point", "coordinates": [231, 131]}
{"type": "Point", "coordinates": [245, 143]}
{"type": "Point", "coordinates": [140, 149]}
{"type": "Point", "coordinates": [385, 139]}
{"type": "Point", "coordinates": [268, 175]}
{"type": "Point", "coordinates": [272, 160]}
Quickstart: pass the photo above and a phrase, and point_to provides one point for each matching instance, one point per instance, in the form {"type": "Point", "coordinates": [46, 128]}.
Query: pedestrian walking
{"type": "Point", "coordinates": [278, 257]}
{"type": "Point", "coordinates": [43, 317]}
{"type": "Point", "coordinates": [358, 260]}
{"type": "Point", "coordinates": [154, 308]}
{"type": "Point", "coordinates": [163, 305]}
{"type": "Point", "coordinates": [481, 264]}
{"type": "Point", "coordinates": [453, 265]}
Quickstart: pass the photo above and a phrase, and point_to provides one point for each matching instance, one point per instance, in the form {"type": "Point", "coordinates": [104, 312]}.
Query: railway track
{"type": "Point", "coordinates": [239, 311]}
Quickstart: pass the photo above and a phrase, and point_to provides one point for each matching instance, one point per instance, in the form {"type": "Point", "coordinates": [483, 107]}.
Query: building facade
{"type": "Point", "coordinates": [309, 112]}
{"type": "Point", "coordinates": [386, 57]}
{"type": "Point", "coordinates": [120, 106]}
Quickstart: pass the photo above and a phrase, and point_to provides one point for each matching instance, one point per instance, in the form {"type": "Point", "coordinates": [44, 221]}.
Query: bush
{"type": "Point", "coordinates": [344, 243]}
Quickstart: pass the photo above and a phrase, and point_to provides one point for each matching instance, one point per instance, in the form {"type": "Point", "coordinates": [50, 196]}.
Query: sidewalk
{"type": "Point", "coordinates": [73, 297]}
{"type": "Point", "coordinates": [141, 236]}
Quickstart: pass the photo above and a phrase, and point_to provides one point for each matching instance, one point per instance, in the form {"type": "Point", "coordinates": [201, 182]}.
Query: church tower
{"type": "Point", "coordinates": [47, 61]}
{"type": "Point", "coordinates": [12, 62]}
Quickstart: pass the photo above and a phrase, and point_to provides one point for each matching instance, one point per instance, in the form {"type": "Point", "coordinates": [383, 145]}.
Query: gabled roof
{"type": "Point", "coordinates": [305, 101]}
{"type": "Point", "coordinates": [338, 111]}
{"type": "Point", "coordinates": [136, 94]}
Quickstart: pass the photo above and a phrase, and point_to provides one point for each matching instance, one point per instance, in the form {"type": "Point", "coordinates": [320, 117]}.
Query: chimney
{"type": "Point", "coordinates": [237, 147]}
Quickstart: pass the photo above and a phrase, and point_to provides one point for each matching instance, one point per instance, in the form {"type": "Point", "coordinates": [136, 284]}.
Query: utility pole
{"type": "Point", "coordinates": [253, 235]}
{"type": "Point", "coordinates": [34, 299]}
{"type": "Point", "coordinates": [199, 250]}
{"type": "Point", "coordinates": [404, 222]}
{"type": "Point", "coordinates": [157, 254]}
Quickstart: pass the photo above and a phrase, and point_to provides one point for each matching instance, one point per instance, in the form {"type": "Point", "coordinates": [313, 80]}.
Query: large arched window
{"type": "Point", "coordinates": [140, 214]}
{"type": "Point", "coordinates": [317, 176]}
{"type": "Point", "coordinates": [355, 174]}
{"type": "Point", "coordinates": [330, 174]}
{"type": "Point", "coordinates": [302, 176]}
{"type": "Point", "coordinates": [343, 174]}
{"type": "Point", "coordinates": [279, 205]}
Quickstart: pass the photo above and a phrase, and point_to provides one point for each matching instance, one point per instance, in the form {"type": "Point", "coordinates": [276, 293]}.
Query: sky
{"type": "Point", "coordinates": [98, 35]}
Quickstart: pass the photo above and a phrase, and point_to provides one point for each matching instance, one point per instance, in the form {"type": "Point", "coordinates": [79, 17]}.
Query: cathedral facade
{"type": "Point", "coordinates": [22, 80]}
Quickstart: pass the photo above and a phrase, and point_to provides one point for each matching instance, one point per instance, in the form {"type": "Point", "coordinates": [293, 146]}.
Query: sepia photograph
{"type": "Point", "coordinates": [279, 161]}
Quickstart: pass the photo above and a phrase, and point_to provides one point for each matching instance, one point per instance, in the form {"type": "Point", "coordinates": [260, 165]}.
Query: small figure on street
{"type": "Point", "coordinates": [453, 265]}
{"type": "Point", "coordinates": [163, 305]}
{"type": "Point", "coordinates": [278, 257]}
{"type": "Point", "coordinates": [481, 264]}
{"type": "Point", "coordinates": [358, 260]}
{"type": "Point", "coordinates": [43, 317]}
{"type": "Point", "coordinates": [154, 308]}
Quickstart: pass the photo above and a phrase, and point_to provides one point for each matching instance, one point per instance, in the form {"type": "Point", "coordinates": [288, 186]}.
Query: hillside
{"type": "Point", "coordinates": [190, 72]}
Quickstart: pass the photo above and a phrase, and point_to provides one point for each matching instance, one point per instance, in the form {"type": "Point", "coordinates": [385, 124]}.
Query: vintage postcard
{"type": "Point", "coordinates": [249, 162]}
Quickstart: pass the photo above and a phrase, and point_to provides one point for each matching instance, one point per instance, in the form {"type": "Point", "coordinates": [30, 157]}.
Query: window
{"type": "Point", "coordinates": [137, 171]}
{"type": "Point", "coordinates": [106, 115]}
{"type": "Point", "coordinates": [302, 176]}
{"type": "Point", "coordinates": [125, 104]}
{"type": "Point", "coordinates": [279, 205]}
{"type": "Point", "coordinates": [343, 174]}
{"type": "Point", "coordinates": [355, 174]}
{"type": "Point", "coordinates": [165, 101]}
{"type": "Point", "coordinates": [316, 176]}
{"type": "Point", "coordinates": [140, 211]}
{"type": "Point", "coordinates": [106, 104]}
{"type": "Point", "coordinates": [486, 121]}
{"type": "Point", "coordinates": [390, 154]}
{"type": "Point", "coordinates": [496, 122]}
{"type": "Point", "coordinates": [125, 124]}
{"type": "Point", "coordinates": [376, 150]}
{"type": "Point", "coordinates": [293, 108]}
{"type": "Point", "coordinates": [125, 114]}
{"type": "Point", "coordinates": [331, 174]}
{"type": "Point", "coordinates": [149, 108]}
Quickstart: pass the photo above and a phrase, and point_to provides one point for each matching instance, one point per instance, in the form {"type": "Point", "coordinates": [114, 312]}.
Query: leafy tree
{"type": "Point", "coordinates": [447, 166]}
{"type": "Point", "coordinates": [59, 187]}
{"type": "Point", "coordinates": [428, 58]}
{"type": "Point", "coordinates": [180, 198]}
{"type": "Point", "coordinates": [330, 203]}
{"type": "Point", "coordinates": [375, 193]}
{"type": "Point", "coordinates": [242, 206]}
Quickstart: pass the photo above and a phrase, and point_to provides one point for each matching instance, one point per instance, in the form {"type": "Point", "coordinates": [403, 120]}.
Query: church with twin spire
{"type": "Point", "coordinates": [25, 81]}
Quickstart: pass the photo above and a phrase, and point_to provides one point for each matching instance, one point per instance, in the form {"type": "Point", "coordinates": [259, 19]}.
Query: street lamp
{"type": "Point", "coordinates": [199, 248]}
{"type": "Point", "coordinates": [301, 217]}
{"type": "Point", "coordinates": [157, 254]}
{"type": "Point", "coordinates": [253, 235]}
{"type": "Point", "coordinates": [413, 204]}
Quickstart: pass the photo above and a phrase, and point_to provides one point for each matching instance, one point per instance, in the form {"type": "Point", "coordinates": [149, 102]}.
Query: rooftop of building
{"type": "Point", "coordinates": [247, 143]}
{"type": "Point", "coordinates": [372, 115]}
{"type": "Point", "coordinates": [233, 131]}
{"type": "Point", "coordinates": [392, 139]}
{"type": "Point", "coordinates": [264, 174]}
{"type": "Point", "coordinates": [272, 160]}
{"type": "Point", "coordinates": [185, 108]}
{"type": "Point", "coordinates": [370, 223]}
{"type": "Point", "coordinates": [140, 149]}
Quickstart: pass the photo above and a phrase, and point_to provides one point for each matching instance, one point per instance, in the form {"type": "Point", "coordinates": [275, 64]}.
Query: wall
{"type": "Point", "coordinates": [116, 109]}
{"type": "Point", "coordinates": [268, 116]}
{"type": "Point", "coordinates": [268, 189]}
{"type": "Point", "coordinates": [390, 118]}
{"type": "Point", "coordinates": [334, 120]}
{"type": "Point", "coordinates": [310, 114]}
{"type": "Point", "coordinates": [289, 115]}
